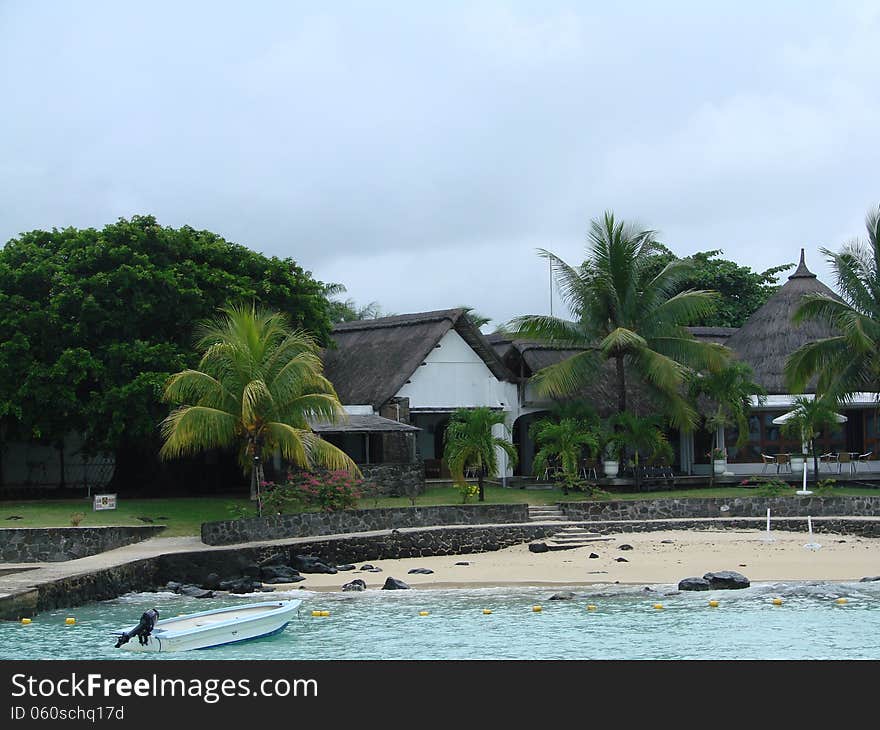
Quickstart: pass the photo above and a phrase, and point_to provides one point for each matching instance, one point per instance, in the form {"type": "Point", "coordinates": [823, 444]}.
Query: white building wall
{"type": "Point", "coordinates": [454, 376]}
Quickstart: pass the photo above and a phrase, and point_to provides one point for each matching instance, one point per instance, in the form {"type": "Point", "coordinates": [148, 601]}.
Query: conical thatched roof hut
{"type": "Point", "coordinates": [768, 337]}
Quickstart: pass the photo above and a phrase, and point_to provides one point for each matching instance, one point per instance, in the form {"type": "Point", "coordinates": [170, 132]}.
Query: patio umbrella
{"type": "Point", "coordinates": [784, 418]}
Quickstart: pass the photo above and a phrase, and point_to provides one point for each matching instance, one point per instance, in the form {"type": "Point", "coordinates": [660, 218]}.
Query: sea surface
{"type": "Point", "coordinates": [376, 625]}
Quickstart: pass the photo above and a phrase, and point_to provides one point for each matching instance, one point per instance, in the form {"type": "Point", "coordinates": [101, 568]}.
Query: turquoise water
{"type": "Point", "coordinates": [387, 625]}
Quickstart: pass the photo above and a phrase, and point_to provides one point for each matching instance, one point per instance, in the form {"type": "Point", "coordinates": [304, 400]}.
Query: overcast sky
{"type": "Point", "coordinates": [419, 153]}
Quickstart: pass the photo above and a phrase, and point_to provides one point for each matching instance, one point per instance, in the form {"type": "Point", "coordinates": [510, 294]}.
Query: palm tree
{"type": "Point", "coordinates": [257, 384]}
{"type": "Point", "coordinates": [641, 435]}
{"type": "Point", "coordinates": [848, 362]}
{"type": "Point", "coordinates": [469, 441]}
{"type": "Point", "coordinates": [726, 395]}
{"type": "Point", "coordinates": [808, 417]}
{"type": "Point", "coordinates": [627, 313]}
{"type": "Point", "coordinates": [565, 440]}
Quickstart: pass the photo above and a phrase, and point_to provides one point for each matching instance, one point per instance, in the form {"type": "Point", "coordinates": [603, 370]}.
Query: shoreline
{"type": "Point", "coordinates": [655, 558]}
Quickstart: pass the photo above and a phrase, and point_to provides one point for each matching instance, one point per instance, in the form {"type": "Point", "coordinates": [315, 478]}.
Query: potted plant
{"type": "Point", "coordinates": [614, 444]}
{"type": "Point", "coordinates": [719, 461]}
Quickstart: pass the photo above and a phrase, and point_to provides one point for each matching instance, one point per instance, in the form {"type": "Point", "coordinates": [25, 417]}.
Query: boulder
{"type": "Point", "coordinates": [693, 584]}
{"type": "Point", "coordinates": [311, 564]}
{"type": "Point", "coordinates": [869, 578]}
{"type": "Point", "coordinates": [239, 585]}
{"type": "Point", "coordinates": [392, 584]}
{"type": "Point", "coordinates": [538, 547]}
{"type": "Point", "coordinates": [346, 566]}
{"type": "Point", "coordinates": [211, 582]}
{"type": "Point", "coordinates": [463, 562]}
{"type": "Point", "coordinates": [727, 580]}
{"type": "Point", "coordinates": [373, 570]}
{"type": "Point", "coordinates": [266, 589]}
{"type": "Point", "coordinates": [356, 585]}
{"type": "Point", "coordinates": [279, 574]}
{"type": "Point", "coordinates": [593, 556]}
{"type": "Point", "coordinates": [251, 571]}
{"type": "Point", "coordinates": [367, 566]}
{"type": "Point", "coordinates": [420, 571]}
{"type": "Point", "coordinates": [667, 542]}
{"type": "Point", "coordinates": [173, 586]}
{"type": "Point", "coordinates": [621, 560]}
{"type": "Point", "coordinates": [562, 596]}
{"type": "Point", "coordinates": [625, 546]}
{"type": "Point", "coordinates": [195, 592]}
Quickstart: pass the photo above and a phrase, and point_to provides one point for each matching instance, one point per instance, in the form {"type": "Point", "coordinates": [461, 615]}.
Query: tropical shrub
{"type": "Point", "coordinates": [772, 487]}
{"type": "Point", "coordinates": [327, 490]}
{"type": "Point", "coordinates": [76, 518]}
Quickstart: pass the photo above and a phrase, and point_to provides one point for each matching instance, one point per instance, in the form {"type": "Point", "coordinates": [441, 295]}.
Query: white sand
{"type": "Point", "coordinates": [691, 553]}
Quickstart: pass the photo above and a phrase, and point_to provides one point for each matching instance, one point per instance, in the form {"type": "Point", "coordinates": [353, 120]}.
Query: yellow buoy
{"type": "Point", "coordinates": [70, 621]}
{"type": "Point", "coordinates": [713, 604]}
{"type": "Point", "coordinates": [316, 613]}
{"type": "Point", "coordinates": [840, 601]}
{"type": "Point", "coordinates": [591, 607]}
{"type": "Point", "coordinates": [537, 609]}
{"type": "Point", "coordinates": [487, 611]}
{"type": "Point", "coordinates": [777, 601]}
{"type": "Point", "coordinates": [325, 613]}
{"type": "Point", "coordinates": [423, 613]}
{"type": "Point", "coordinates": [25, 621]}
{"type": "Point", "coordinates": [658, 606]}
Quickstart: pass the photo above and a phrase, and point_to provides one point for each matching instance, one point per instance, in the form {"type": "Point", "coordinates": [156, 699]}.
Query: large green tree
{"type": "Point", "coordinates": [626, 312]}
{"type": "Point", "coordinates": [256, 386]}
{"type": "Point", "coordinates": [741, 291]}
{"type": "Point", "coordinates": [92, 322]}
{"type": "Point", "coordinates": [849, 361]}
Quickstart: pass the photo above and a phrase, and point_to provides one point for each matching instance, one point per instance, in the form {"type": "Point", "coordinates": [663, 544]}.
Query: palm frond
{"type": "Point", "coordinates": [188, 430]}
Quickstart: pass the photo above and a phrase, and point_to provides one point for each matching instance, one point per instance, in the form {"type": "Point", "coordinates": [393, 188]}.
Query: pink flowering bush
{"type": "Point", "coordinates": [326, 490]}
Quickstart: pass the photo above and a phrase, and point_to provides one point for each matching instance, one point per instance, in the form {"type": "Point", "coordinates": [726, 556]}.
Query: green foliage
{"type": "Point", "coordinates": [467, 491]}
{"type": "Point", "coordinates": [240, 512]}
{"type": "Point", "coordinates": [771, 487]}
{"type": "Point", "coordinates": [809, 417]}
{"type": "Point", "coordinates": [627, 312]}
{"type": "Point", "coordinates": [329, 491]}
{"type": "Point", "coordinates": [742, 291]}
{"type": "Point", "coordinates": [76, 518]}
{"type": "Point", "coordinates": [849, 361]}
{"type": "Point", "coordinates": [93, 322]}
{"type": "Point", "coordinates": [825, 487]}
{"type": "Point", "coordinates": [562, 441]}
{"type": "Point", "coordinates": [723, 398]}
{"type": "Point", "coordinates": [641, 436]}
{"type": "Point", "coordinates": [469, 442]}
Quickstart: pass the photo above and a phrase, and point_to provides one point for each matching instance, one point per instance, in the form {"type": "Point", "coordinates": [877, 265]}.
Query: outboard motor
{"type": "Point", "coordinates": [142, 630]}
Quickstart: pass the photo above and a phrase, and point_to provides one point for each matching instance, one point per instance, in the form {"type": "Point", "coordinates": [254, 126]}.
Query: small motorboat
{"type": "Point", "coordinates": [207, 629]}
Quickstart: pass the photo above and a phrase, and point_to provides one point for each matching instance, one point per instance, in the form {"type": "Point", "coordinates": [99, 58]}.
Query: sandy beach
{"type": "Point", "coordinates": [655, 558]}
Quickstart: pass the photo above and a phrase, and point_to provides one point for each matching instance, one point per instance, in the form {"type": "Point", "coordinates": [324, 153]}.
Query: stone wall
{"type": "Point", "coordinates": [54, 544]}
{"type": "Point", "coordinates": [658, 509]}
{"type": "Point", "coordinates": [396, 480]}
{"type": "Point", "coordinates": [305, 524]}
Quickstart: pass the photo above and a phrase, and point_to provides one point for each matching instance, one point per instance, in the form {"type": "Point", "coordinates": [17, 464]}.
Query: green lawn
{"type": "Point", "coordinates": [184, 515]}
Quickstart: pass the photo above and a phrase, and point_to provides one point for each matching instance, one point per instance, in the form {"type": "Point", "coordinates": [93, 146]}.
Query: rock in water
{"type": "Point", "coordinates": [311, 564]}
{"type": "Point", "coordinates": [727, 580]}
{"type": "Point", "coordinates": [239, 585]}
{"type": "Point", "coordinates": [693, 584]}
{"type": "Point", "coordinates": [538, 547]}
{"type": "Point", "coordinates": [392, 584]}
{"type": "Point", "coordinates": [421, 571]}
{"type": "Point", "coordinates": [624, 547]}
{"type": "Point", "coordinates": [562, 596]}
{"type": "Point", "coordinates": [195, 592]}
{"type": "Point", "coordinates": [356, 585]}
{"type": "Point", "coordinates": [211, 582]}
{"type": "Point", "coordinates": [173, 586]}
{"type": "Point", "coordinates": [869, 578]}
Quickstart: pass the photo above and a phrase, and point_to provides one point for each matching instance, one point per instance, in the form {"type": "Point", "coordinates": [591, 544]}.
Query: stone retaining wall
{"type": "Point", "coordinates": [306, 524]}
{"type": "Point", "coordinates": [396, 480]}
{"type": "Point", "coordinates": [654, 509]}
{"type": "Point", "coordinates": [54, 544]}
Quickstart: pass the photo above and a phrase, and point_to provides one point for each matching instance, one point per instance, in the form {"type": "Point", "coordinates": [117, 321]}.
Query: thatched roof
{"type": "Point", "coordinates": [374, 358]}
{"type": "Point", "coordinates": [718, 335]}
{"type": "Point", "coordinates": [768, 337]}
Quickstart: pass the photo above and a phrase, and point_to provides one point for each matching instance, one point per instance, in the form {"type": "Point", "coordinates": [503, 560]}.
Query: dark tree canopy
{"type": "Point", "coordinates": [742, 290]}
{"type": "Point", "coordinates": [92, 322]}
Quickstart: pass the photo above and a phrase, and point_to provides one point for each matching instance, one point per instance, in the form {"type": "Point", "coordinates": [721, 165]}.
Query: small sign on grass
{"type": "Point", "coordinates": [104, 501]}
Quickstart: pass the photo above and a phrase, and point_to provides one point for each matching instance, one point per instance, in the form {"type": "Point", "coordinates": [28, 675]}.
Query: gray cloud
{"type": "Point", "coordinates": [419, 153]}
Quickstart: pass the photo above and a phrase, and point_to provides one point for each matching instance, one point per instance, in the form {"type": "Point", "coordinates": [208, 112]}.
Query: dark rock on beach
{"type": "Point", "coordinates": [356, 585]}
{"type": "Point", "coordinates": [195, 592]}
{"type": "Point", "coordinates": [279, 574]}
{"type": "Point", "coordinates": [374, 570]}
{"type": "Point", "coordinates": [311, 564]}
{"type": "Point", "coordinates": [621, 560]}
{"type": "Point", "coordinates": [693, 584]}
{"type": "Point", "coordinates": [463, 562]}
{"type": "Point", "coordinates": [239, 585]}
{"type": "Point", "coordinates": [870, 579]}
{"type": "Point", "coordinates": [625, 546]}
{"type": "Point", "coordinates": [173, 586]}
{"type": "Point", "coordinates": [367, 566]}
{"type": "Point", "coordinates": [392, 584]}
{"type": "Point", "coordinates": [538, 547]}
{"type": "Point", "coordinates": [421, 571]}
{"type": "Point", "coordinates": [251, 571]}
{"type": "Point", "coordinates": [211, 582]}
{"type": "Point", "coordinates": [593, 556]}
{"type": "Point", "coordinates": [727, 580]}
{"type": "Point", "coordinates": [346, 566]}
{"type": "Point", "coordinates": [562, 596]}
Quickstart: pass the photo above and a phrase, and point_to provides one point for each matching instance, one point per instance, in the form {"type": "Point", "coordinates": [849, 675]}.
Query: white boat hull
{"type": "Point", "coordinates": [209, 629]}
